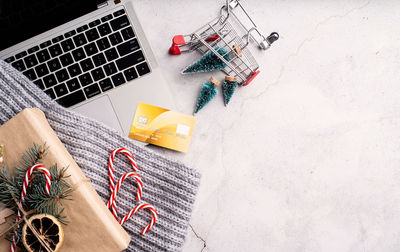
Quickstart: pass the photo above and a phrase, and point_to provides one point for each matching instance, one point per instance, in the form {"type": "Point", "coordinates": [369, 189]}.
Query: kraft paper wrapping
{"type": "Point", "coordinates": [91, 226]}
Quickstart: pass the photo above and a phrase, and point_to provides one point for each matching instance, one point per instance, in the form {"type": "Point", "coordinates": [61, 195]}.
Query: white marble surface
{"type": "Point", "coordinates": [307, 158]}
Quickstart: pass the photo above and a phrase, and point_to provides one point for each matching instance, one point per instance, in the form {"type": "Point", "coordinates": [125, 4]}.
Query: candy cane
{"type": "Point", "coordinates": [115, 189]}
{"type": "Point", "coordinates": [111, 164]}
{"type": "Point", "coordinates": [28, 176]}
{"type": "Point", "coordinates": [137, 208]}
{"type": "Point", "coordinates": [112, 201]}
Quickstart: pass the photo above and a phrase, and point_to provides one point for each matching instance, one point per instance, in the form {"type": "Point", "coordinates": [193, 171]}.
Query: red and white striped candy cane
{"type": "Point", "coordinates": [28, 176]}
{"type": "Point", "coordinates": [115, 189]}
{"type": "Point", "coordinates": [112, 201]}
{"type": "Point", "coordinates": [137, 208]}
{"type": "Point", "coordinates": [111, 164]}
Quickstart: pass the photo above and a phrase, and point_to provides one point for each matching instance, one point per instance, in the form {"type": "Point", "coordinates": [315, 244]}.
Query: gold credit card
{"type": "Point", "coordinates": [162, 127]}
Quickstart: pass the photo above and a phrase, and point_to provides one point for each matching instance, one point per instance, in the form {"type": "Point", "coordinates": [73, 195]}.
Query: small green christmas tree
{"type": "Point", "coordinates": [209, 62]}
{"type": "Point", "coordinates": [208, 91]}
{"type": "Point", "coordinates": [228, 88]}
{"type": "Point", "coordinates": [36, 197]}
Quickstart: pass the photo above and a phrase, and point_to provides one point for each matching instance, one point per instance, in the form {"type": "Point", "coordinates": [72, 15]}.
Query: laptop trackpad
{"type": "Point", "coordinates": [101, 110]}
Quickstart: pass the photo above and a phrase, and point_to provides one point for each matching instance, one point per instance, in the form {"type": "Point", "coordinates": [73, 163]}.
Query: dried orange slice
{"type": "Point", "coordinates": [49, 229]}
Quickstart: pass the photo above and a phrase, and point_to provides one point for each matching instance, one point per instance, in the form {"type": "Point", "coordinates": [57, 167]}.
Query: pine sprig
{"type": "Point", "coordinates": [7, 183]}
{"type": "Point", "coordinates": [32, 156]}
{"type": "Point", "coordinates": [36, 197]}
{"type": "Point", "coordinates": [49, 203]}
{"type": "Point", "coordinates": [209, 62]}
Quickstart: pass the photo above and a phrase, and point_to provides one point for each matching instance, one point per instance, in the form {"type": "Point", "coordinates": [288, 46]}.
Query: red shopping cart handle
{"type": "Point", "coordinates": [179, 40]}
{"type": "Point", "coordinates": [174, 50]}
{"type": "Point", "coordinates": [176, 42]}
{"type": "Point", "coordinates": [253, 75]}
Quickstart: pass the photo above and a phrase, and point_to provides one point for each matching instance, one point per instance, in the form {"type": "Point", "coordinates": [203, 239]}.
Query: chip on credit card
{"type": "Point", "coordinates": [162, 127]}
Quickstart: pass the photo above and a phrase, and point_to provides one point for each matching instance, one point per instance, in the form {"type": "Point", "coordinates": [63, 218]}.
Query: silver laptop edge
{"type": "Point", "coordinates": [116, 107]}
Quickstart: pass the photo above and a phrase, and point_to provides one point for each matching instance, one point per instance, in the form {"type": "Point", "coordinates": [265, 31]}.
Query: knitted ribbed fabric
{"type": "Point", "coordinates": [169, 186]}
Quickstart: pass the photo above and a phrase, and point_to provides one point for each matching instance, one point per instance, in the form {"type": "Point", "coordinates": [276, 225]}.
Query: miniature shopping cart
{"type": "Point", "coordinates": [227, 31]}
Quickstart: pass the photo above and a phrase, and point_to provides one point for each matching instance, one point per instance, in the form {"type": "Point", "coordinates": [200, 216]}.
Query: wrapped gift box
{"type": "Point", "coordinates": [91, 226]}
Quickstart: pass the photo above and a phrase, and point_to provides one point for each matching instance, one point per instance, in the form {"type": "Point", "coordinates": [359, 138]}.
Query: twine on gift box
{"type": "Point", "coordinates": [24, 214]}
{"type": "Point", "coordinates": [23, 218]}
{"type": "Point", "coordinates": [79, 183]}
{"type": "Point", "coordinates": [21, 214]}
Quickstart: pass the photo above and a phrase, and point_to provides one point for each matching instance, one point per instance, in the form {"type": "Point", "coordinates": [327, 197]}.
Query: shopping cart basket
{"type": "Point", "coordinates": [227, 31]}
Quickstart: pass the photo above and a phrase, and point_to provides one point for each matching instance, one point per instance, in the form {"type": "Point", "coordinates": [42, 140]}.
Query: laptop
{"type": "Point", "coordinates": [91, 56]}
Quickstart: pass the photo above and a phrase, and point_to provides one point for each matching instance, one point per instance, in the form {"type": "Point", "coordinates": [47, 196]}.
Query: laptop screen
{"type": "Point", "coordinates": [23, 19]}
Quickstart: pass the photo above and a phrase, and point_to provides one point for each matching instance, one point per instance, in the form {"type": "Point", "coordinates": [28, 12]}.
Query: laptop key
{"type": "Point", "coordinates": [106, 18]}
{"type": "Point", "coordinates": [45, 44]}
{"type": "Point", "coordinates": [19, 65]}
{"type": "Point", "coordinates": [85, 79]}
{"type": "Point", "coordinates": [143, 68]}
{"type": "Point", "coordinates": [104, 29]}
{"type": "Point", "coordinates": [119, 13]}
{"type": "Point", "coordinates": [80, 40]}
{"type": "Point", "coordinates": [39, 83]}
{"type": "Point", "coordinates": [30, 74]}
{"type": "Point", "coordinates": [30, 61]}
{"type": "Point", "coordinates": [97, 74]}
{"type": "Point", "coordinates": [74, 70]}
{"type": "Point", "coordinates": [55, 50]}
{"type": "Point", "coordinates": [90, 49]}
{"type": "Point", "coordinates": [110, 68]}
{"type": "Point", "coordinates": [41, 70]}
{"type": "Point", "coordinates": [78, 54]}
{"type": "Point", "coordinates": [21, 54]}
{"type": "Point", "coordinates": [43, 55]}
{"type": "Point", "coordinates": [72, 99]}
{"type": "Point", "coordinates": [33, 49]}
{"type": "Point", "coordinates": [70, 34]}
{"type": "Point", "coordinates": [67, 45]}
{"type": "Point", "coordinates": [10, 59]}
{"type": "Point", "coordinates": [119, 23]}
{"type": "Point", "coordinates": [106, 84]}
{"type": "Point", "coordinates": [86, 65]}
{"type": "Point", "coordinates": [57, 39]}
{"type": "Point", "coordinates": [127, 33]}
{"type": "Point", "coordinates": [111, 54]}
{"type": "Point", "coordinates": [130, 74]}
{"type": "Point", "coordinates": [99, 59]}
{"type": "Point", "coordinates": [130, 60]}
{"type": "Point", "coordinates": [50, 93]}
{"type": "Point", "coordinates": [103, 44]}
{"type": "Point", "coordinates": [118, 79]}
{"type": "Point", "coordinates": [49, 80]}
{"type": "Point", "coordinates": [92, 90]}
{"type": "Point", "coordinates": [66, 59]}
{"type": "Point", "coordinates": [82, 28]}
{"type": "Point", "coordinates": [94, 23]}
{"type": "Point", "coordinates": [92, 34]}
{"type": "Point", "coordinates": [115, 38]}
{"type": "Point", "coordinates": [54, 64]}
{"type": "Point", "coordinates": [73, 84]}
{"type": "Point", "coordinates": [61, 89]}
{"type": "Point", "coordinates": [128, 47]}
{"type": "Point", "coordinates": [62, 75]}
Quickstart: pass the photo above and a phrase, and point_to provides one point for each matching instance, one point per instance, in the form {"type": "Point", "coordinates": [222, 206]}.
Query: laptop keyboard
{"type": "Point", "coordinates": [85, 62]}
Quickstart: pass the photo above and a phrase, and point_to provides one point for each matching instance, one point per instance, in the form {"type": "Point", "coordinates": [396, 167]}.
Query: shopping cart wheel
{"type": "Point", "coordinates": [273, 37]}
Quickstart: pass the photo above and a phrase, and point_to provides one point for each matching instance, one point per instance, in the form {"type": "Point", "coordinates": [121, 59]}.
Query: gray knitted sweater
{"type": "Point", "coordinates": [170, 186]}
